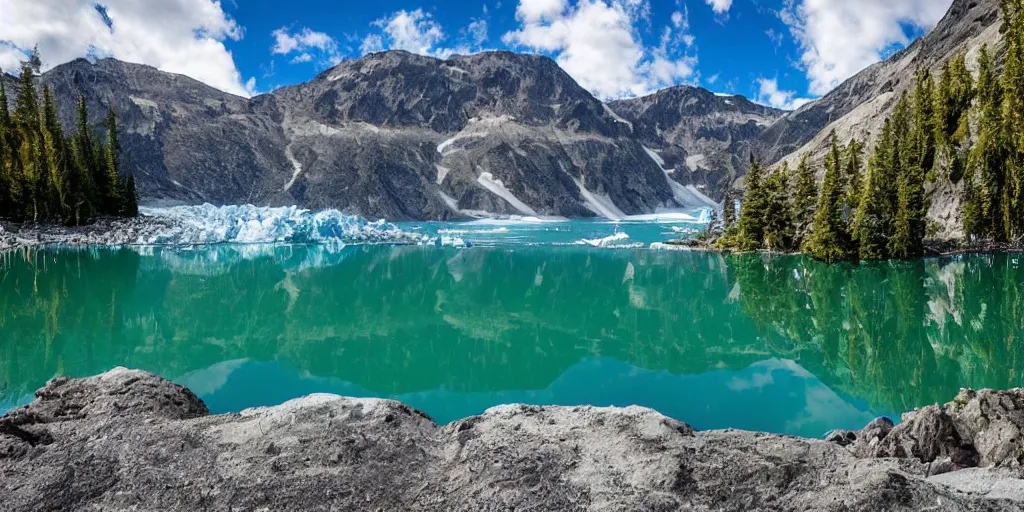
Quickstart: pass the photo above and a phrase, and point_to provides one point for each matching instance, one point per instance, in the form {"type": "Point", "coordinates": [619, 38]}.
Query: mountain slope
{"type": "Point", "coordinates": [705, 137]}
{"type": "Point", "coordinates": [407, 136]}
{"type": "Point", "coordinates": [392, 135]}
{"type": "Point", "coordinates": [858, 108]}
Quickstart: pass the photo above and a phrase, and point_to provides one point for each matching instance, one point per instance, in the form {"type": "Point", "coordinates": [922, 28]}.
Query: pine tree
{"type": "Point", "coordinates": [753, 209]}
{"type": "Point", "coordinates": [728, 210]}
{"type": "Point", "coordinates": [112, 199]}
{"type": "Point", "coordinates": [908, 237]}
{"type": "Point", "coordinates": [83, 150]}
{"type": "Point", "coordinates": [779, 231]}
{"type": "Point", "coordinates": [29, 150]}
{"type": "Point", "coordinates": [983, 181]}
{"type": "Point", "coordinates": [129, 196]}
{"type": "Point", "coordinates": [871, 225]}
{"type": "Point", "coordinates": [1013, 120]}
{"type": "Point", "coordinates": [56, 159]}
{"type": "Point", "coordinates": [854, 178]}
{"type": "Point", "coordinates": [7, 181]}
{"type": "Point", "coordinates": [829, 240]}
{"type": "Point", "coordinates": [46, 176]}
{"type": "Point", "coordinates": [805, 198]}
{"type": "Point", "coordinates": [921, 143]}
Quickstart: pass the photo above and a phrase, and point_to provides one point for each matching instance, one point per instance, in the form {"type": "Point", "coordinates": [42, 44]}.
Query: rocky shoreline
{"type": "Point", "coordinates": [130, 440]}
{"type": "Point", "coordinates": [105, 232]}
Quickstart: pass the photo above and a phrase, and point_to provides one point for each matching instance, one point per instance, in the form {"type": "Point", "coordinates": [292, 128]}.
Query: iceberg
{"type": "Point", "coordinates": [208, 224]}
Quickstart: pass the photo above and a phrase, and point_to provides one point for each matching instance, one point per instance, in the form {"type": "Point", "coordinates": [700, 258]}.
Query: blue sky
{"type": "Point", "coordinates": [778, 52]}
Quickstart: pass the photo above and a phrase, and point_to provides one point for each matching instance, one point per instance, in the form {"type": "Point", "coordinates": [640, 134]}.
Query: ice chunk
{"type": "Point", "coordinates": [608, 241]}
{"type": "Point", "coordinates": [208, 224]}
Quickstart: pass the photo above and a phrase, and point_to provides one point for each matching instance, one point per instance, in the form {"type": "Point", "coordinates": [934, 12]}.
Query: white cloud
{"type": "Point", "coordinates": [598, 43]}
{"type": "Point", "coordinates": [840, 37]}
{"type": "Point", "coordinates": [770, 94]}
{"type": "Point", "coordinates": [412, 31]}
{"type": "Point", "coordinates": [720, 6]}
{"type": "Point", "coordinates": [305, 43]}
{"type": "Point", "coordinates": [536, 11]}
{"type": "Point", "coordinates": [178, 36]}
{"type": "Point", "coordinates": [477, 32]}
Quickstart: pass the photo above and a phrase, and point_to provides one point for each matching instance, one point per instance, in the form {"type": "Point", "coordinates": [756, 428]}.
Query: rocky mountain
{"type": "Point", "coordinates": [705, 137]}
{"type": "Point", "coordinates": [391, 135]}
{"type": "Point", "coordinates": [858, 108]}
{"type": "Point", "coordinates": [403, 136]}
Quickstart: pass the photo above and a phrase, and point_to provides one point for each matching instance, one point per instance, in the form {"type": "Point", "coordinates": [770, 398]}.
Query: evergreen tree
{"type": "Point", "coordinates": [921, 139]}
{"type": "Point", "coordinates": [983, 182]}
{"type": "Point", "coordinates": [56, 159]}
{"type": "Point", "coordinates": [854, 178]}
{"type": "Point", "coordinates": [753, 209]}
{"type": "Point", "coordinates": [29, 151]}
{"type": "Point", "coordinates": [805, 198]}
{"type": "Point", "coordinates": [1013, 120]}
{"type": "Point", "coordinates": [778, 229]}
{"type": "Point", "coordinates": [8, 183]}
{"type": "Point", "coordinates": [46, 176]}
{"type": "Point", "coordinates": [829, 240]}
{"type": "Point", "coordinates": [871, 225]}
{"type": "Point", "coordinates": [728, 210]}
{"type": "Point", "coordinates": [908, 237]}
{"type": "Point", "coordinates": [111, 184]}
{"type": "Point", "coordinates": [83, 154]}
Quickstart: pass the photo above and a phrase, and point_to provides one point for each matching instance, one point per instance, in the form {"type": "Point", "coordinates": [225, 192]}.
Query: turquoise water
{"type": "Point", "coordinates": [777, 344]}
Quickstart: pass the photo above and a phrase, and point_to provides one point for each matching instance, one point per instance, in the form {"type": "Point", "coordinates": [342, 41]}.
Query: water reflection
{"type": "Point", "coordinates": [778, 344]}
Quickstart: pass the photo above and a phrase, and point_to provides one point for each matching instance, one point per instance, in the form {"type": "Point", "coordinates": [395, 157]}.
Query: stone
{"type": "Point", "coordinates": [131, 440]}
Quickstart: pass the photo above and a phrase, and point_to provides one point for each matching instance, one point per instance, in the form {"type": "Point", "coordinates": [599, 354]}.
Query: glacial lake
{"type": "Point", "coordinates": [779, 344]}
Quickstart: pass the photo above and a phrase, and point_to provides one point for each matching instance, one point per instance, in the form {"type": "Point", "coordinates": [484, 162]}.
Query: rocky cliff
{"type": "Point", "coordinates": [704, 137]}
{"type": "Point", "coordinates": [391, 135]}
{"type": "Point", "coordinates": [130, 440]}
{"type": "Point", "coordinates": [858, 108]}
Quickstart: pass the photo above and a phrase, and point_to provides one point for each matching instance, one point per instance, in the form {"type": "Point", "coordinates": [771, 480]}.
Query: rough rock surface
{"type": "Point", "coordinates": [977, 429]}
{"type": "Point", "coordinates": [390, 135]}
{"type": "Point", "coordinates": [704, 137]}
{"type": "Point", "coordinates": [105, 232]}
{"type": "Point", "coordinates": [130, 440]}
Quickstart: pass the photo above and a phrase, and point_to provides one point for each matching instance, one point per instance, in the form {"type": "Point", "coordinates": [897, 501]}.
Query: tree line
{"type": "Point", "coordinates": [49, 177]}
{"type": "Point", "coordinates": [954, 129]}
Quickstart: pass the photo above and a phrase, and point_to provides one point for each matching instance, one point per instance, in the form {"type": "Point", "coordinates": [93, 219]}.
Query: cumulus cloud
{"type": "Point", "coordinates": [720, 6]}
{"type": "Point", "coordinates": [770, 94]}
{"type": "Point", "coordinates": [305, 43]}
{"type": "Point", "coordinates": [598, 43]}
{"type": "Point", "coordinates": [412, 31]}
{"type": "Point", "coordinates": [839, 37]}
{"type": "Point", "coordinates": [178, 36]}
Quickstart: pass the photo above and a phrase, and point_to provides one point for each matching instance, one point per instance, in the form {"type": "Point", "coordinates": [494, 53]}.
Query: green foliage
{"type": "Point", "coordinates": [829, 240]}
{"type": "Point", "coordinates": [49, 177]}
{"type": "Point", "coordinates": [779, 228]}
{"type": "Point", "coordinates": [854, 177]}
{"type": "Point", "coordinates": [754, 209]}
{"type": "Point", "coordinates": [1013, 120]}
{"type": "Point", "coordinates": [728, 210]}
{"type": "Point", "coordinates": [983, 182]}
{"type": "Point", "coordinates": [805, 198]}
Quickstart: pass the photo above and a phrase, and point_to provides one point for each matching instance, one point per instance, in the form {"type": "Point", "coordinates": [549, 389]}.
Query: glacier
{"type": "Point", "coordinates": [208, 224]}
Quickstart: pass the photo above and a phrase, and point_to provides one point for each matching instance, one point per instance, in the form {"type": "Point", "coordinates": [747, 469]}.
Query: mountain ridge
{"type": "Point", "coordinates": [403, 136]}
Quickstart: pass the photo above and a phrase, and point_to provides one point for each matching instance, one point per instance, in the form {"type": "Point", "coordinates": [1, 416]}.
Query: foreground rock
{"type": "Point", "coordinates": [130, 440]}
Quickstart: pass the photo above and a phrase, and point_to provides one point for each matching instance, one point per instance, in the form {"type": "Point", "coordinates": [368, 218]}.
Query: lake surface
{"type": "Point", "coordinates": [779, 344]}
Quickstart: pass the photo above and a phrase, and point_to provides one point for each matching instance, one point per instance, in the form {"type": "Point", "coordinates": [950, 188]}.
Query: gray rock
{"type": "Point", "coordinates": [130, 440]}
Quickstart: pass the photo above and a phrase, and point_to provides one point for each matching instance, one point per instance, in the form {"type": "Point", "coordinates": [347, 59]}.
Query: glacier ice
{"type": "Point", "coordinates": [247, 224]}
